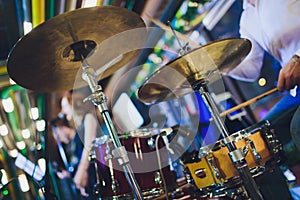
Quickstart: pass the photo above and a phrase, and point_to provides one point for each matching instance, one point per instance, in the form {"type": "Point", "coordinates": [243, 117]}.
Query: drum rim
{"type": "Point", "coordinates": [143, 132]}
{"type": "Point", "coordinates": [239, 135]}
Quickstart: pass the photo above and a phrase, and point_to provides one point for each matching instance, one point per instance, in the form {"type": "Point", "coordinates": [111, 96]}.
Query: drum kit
{"type": "Point", "coordinates": [55, 51]}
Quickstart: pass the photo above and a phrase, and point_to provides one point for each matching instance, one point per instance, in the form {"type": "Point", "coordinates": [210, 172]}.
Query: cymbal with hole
{"type": "Point", "coordinates": [178, 77]}
{"type": "Point", "coordinates": [50, 56]}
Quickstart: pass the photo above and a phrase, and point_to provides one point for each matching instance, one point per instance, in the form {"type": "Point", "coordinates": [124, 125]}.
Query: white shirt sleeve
{"type": "Point", "coordinates": [298, 52]}
{"type": "Point", "coordinates": [249, 69]}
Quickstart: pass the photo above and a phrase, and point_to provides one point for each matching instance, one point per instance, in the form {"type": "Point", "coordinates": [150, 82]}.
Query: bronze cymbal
{"type": "Point", "coordinates": [49, 57]}
{"type": "Point", "coordinates": [178, 77]}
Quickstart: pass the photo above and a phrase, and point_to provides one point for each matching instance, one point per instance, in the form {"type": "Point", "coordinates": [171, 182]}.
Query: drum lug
{"type": "Point", "coordinates": [274, 144]}
{"type": "Point", "coordinates": [188, 177]}
{"type": "Point", "coordinates": [270, 137]}
{"type": "Point", "coordinates": [237, 155]}
{"type": "Point", "coordinates": [258, 159]}
{"type": "Point", "coordinates": [186, 171]}
{"type": "Point", "coordinates": [245, 150]}
{"type": "Point", "coordinates": [212, 162]}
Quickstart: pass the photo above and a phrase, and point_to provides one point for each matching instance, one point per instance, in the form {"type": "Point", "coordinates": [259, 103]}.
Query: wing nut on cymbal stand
{"type": "Point", "coordinates": [99, 99]}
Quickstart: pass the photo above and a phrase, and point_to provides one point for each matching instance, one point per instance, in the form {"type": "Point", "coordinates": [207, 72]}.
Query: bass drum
{"type": "Point", "coordinates": [213, 169]}
{"type": "Point", "coordinates": [151, 168]}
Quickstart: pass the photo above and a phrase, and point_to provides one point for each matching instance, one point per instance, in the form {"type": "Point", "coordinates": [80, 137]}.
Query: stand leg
{"type": "Point", "coordinates": [248, 181]}
{"type": "Point", "coordinates": [238, 158]}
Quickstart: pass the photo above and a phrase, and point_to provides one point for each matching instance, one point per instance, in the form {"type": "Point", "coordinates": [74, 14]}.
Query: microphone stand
{"type": "Point", "coordinates": [99, 99]}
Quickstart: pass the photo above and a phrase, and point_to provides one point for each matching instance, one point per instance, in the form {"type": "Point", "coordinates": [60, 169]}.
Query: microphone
{"type": "Point", "coordinates": [168, 131]}
{"type": "Point", "coordinates": [176, 138]}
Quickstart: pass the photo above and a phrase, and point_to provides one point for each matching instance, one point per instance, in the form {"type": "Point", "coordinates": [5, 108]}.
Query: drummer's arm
{"type": "Point", "coordinates": [81, 176]}
{"type": "Point", "coordinates": [249, 69]}
{"type": "Point", "coordinates": [90, 129]}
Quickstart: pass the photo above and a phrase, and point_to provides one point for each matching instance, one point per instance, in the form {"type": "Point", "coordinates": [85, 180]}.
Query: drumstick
{"type": "Point", "coordinates": [246, 103]}
{"type": "Point", "coordinates": [167, 28]}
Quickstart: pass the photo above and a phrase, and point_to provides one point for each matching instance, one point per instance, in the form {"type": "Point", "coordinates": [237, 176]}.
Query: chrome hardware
{"type": "Point", "coordinates": [211, 160]}
{"type": "Point", "coordinates": [237, 155]}
{"type": "Point", "coordinates": [258, 159]}
{"type": "Point", "coordinates": [151, 143]}
{"type": "Point", "coordinates": [200, 173]}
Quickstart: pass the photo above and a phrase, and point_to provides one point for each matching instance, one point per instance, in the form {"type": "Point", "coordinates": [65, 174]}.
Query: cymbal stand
{"type": "Point", "coordinates": [237, 155]}
{"type": "Point", "coordinates": [183, 49]}
{"type": "Point", "coordinates": [99, 99]}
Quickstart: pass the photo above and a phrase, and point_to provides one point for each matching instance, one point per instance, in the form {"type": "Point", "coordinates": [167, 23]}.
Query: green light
{"type": "Point", "coordinates": [5, 192]}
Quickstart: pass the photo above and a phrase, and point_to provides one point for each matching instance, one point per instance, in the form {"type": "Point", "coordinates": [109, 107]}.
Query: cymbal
{"type": "Point", "coordinates": [176, 78]}
{"type": "Point", "coordinates": [49, 57]}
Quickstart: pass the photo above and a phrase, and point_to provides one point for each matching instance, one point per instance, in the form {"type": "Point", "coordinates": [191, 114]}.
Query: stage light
{"type": "Point", "coordinates": [216, 13]}
{"type": "Point", "coordinates": [21, 145]}
{"type": "Point", "coordinates": [23, 183]}
{"type": "Point", "coordinates": [13, 153]}
{"type": "Point", "coordinates": [25, 133]}
{"type": "Point", "coordinates": [262, 82]}
{"type": "Point", "coordinates": [4, 179]}
{"type": "Point", "coordinates": [29, 167]}
{"type": "Point", "coordinates": [42, 164]}
{"type": "Point", "coordinates": [89, 3]}
{"type": "Point", "coordinates": [8, 105]}
{"type": "Point", "coordinates": [40, 125]}
{"type": "Point", "coordinates": [3, 130]}
{"type": "Point", "coordinates": [12, 82]}
{"type": "Point", "coordinates": [34, 113]}
{"type": "Point", "coordinates": [27, 27]}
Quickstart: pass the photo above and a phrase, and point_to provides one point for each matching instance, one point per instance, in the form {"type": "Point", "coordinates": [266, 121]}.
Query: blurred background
{"type": "Point", "coordinates": [25, 114]}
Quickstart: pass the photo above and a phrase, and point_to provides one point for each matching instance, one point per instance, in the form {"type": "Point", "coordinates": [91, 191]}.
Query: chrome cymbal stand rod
{"type": "Point", "coordinates": [183, 49]}
{"type": "Point", "coordinates": [99, 99]}
{"type": "Point", "coordinates": [236, 155]}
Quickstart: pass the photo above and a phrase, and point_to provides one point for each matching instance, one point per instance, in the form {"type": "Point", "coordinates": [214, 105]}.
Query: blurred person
{"type": "Point", "coordinates": [77, 127]}
{"type": "Point", "coordinates": [273, 27]}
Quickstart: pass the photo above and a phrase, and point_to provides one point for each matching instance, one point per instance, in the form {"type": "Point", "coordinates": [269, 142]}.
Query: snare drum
{"type": "Point", "coordinates": [141, 149]}
{"type": "Point", "coordinates": [214, 167]}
